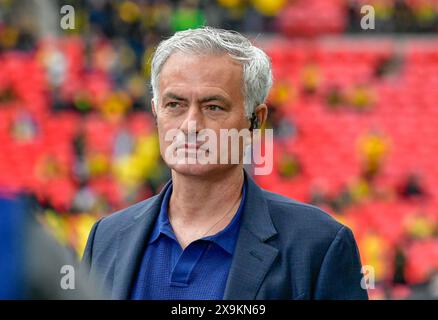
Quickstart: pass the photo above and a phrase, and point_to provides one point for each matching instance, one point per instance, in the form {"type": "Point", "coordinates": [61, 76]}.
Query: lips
{"type": "Point", "coordinates": [191, 146]}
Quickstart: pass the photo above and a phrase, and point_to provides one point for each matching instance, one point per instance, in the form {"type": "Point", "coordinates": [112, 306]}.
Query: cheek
{"type": "Point", "coordinates": [232, 121]}
{"type": "Point", "coordinates": [164, 125]}
{"type": "Point", "coordinates": [163, 128]}
{"type": "Point", "coordinates": [240, 123]}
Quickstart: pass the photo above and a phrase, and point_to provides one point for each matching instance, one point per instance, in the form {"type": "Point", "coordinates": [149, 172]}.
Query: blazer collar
{"type": "Point", "coordinates": [252, 256]}
{"type": "Point", "coordinates": [256, 216]}
{"type": "Point", "coordinates": [131, 245]}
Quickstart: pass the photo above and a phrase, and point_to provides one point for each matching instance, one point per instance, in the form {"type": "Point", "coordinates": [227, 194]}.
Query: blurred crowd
{"type": "Point", "coordinates": [77, 134]}
{"type": "Point", "coordinates": [355, 126]}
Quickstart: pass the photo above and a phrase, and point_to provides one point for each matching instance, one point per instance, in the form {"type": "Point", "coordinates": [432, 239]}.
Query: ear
{"type": "Point", "coordinates": [153, 108]}
{"type": "Point", "coordinates": [261, 112]}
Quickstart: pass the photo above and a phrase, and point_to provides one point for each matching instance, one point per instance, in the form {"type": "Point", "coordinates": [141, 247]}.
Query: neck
{"type": "Point", "coordinates": [204, 198]}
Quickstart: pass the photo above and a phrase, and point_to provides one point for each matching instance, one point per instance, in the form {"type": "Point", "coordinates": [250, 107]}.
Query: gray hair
{"type": "Point", "coordinates": [257, 70]}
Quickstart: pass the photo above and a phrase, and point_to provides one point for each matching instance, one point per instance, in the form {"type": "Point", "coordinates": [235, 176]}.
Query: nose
{"type": "Point", "coordinates": [193, 121]}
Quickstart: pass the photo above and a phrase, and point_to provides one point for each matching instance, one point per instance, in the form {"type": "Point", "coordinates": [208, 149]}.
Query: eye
{"type": "Point", "coordinates": [214, 107]}
{"type": "Point", "coordinates": [173, 105]}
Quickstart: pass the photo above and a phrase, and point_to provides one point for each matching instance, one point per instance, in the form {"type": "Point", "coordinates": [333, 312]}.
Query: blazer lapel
{"type": "Point", "coordinates": [252, 256]}
{"type": "Point", "coordinates": [131, 244]}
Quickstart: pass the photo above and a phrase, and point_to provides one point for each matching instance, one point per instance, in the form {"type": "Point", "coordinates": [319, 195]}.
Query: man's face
{"type": "Point", "coordinates": [206, 89]}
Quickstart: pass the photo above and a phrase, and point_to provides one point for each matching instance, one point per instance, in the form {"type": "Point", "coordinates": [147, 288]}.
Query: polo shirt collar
{"type": "Point", "coordinates": [226, 238]}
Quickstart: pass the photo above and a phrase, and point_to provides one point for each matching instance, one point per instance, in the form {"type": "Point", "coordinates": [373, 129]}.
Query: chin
{"type": "Point", "coordinates": [199, 170]}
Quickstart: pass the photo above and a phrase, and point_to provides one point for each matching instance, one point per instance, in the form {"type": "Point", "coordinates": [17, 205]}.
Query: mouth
{"type": "Point", "coordinates": [191, 147]}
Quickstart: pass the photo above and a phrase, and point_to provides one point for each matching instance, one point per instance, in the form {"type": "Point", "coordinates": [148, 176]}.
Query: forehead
{"type": "Point", "coordinates": [197, 74]}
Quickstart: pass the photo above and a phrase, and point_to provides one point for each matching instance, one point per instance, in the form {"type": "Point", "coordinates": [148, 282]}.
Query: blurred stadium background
{"type": "Point", "coordinates": [354, 113]}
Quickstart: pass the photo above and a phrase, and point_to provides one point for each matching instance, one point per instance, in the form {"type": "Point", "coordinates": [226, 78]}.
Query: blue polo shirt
{"type": "Point", "coordinates": [200, 271]}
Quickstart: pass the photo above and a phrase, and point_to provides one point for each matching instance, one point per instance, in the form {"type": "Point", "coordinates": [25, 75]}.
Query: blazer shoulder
{"type": "Point", "coordinates": [298, 215]}
{"type": "Point", "coordinates": [126, 216]}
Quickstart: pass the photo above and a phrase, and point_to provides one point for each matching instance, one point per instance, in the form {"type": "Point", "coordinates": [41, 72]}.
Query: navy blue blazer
{"type": "Point", "coordinates": [286, 249]}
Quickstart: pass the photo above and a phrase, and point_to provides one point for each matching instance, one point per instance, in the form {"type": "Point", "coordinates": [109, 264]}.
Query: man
{"type": "Point", "coordinates": [212, 233]}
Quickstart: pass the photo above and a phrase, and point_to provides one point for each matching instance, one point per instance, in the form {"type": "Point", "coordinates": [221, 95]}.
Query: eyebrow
{"type": "Point", "coordinates": [215, 97]}
{"type": "Point", "coordinates": [174, 96]}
